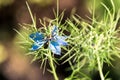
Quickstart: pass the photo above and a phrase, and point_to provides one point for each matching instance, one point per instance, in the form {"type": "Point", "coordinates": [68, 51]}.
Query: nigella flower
{"type": "Point", "coordinates": [55, 41]}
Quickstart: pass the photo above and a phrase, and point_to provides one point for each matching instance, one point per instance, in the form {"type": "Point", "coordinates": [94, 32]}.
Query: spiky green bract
{"type": "Point", "coordinates": [93, 43]}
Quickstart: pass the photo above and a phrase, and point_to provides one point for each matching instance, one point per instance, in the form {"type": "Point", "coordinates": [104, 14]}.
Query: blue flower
{"type": "Point", "coordinates": [55, 41]}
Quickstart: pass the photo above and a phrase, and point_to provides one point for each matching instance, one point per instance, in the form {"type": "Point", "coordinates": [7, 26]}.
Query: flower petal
{"type": "Point", "coordinates": [61, 37]}
{"type": "Point", "coordinates": [37, 36]}
{"type": "Point", "coordinates": [55, 47]}
{"type": "Point", "coordinates": [61, 40]}
{"type": "Point", "coordinates": [37, 46]}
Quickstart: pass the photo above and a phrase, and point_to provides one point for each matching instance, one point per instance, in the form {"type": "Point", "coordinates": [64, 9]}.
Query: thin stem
{"type": "Point", "coordinates": [33, 20]}
{"type": "Point", "coordinates": [93, 16]}
{"type": "Point", "coordinates": [52, 66]}
{"type": "Point", "coordinates": [57, 11]}
{"type": "Point", "coordinates": [100, 68]}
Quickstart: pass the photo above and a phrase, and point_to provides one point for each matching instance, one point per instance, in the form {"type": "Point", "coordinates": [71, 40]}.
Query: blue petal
{"type": "Point", "coordinates": [61, 40]}
{"type": "Point", "coordinates": [55, 47]}
{"type": "Point", "coordinates": [55, 30]}
{"type": "Point", "coordinates": [37, 46]}
{"type": "Point", "coordinates": [37, 36]}
{"type": "Point", "coordinates": [62, 37]}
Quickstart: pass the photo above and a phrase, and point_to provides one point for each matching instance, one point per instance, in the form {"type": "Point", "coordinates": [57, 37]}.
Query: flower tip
{"type": "Point", "coordinates": [58, 54]}
{"type": "Point", "coordinates": [65, 44]}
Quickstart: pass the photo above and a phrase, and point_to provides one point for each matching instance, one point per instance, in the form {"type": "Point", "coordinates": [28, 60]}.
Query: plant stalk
{"type": "Point", "coordinates": [100, 68]}
{"type": "Point", "coordinates": [53, 67]}
{"type": "Point", "coordinates": [93, 12]}
{"type": "Point", "coordinates": [57, 16]}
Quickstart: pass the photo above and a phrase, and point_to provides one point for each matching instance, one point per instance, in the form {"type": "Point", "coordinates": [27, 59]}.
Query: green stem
{"type": "Point", "coordinates": [93, 16]}
{"type": "Point", "coordinates": [100, 68]}
{"type": "Point", "coordinates": [53, 67]}
{"type": "Point", "coordinates": [57, 11]}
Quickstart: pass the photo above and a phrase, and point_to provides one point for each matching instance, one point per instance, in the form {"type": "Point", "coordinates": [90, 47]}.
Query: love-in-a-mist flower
{"type": "Point", "coordinates": [54, 41]}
